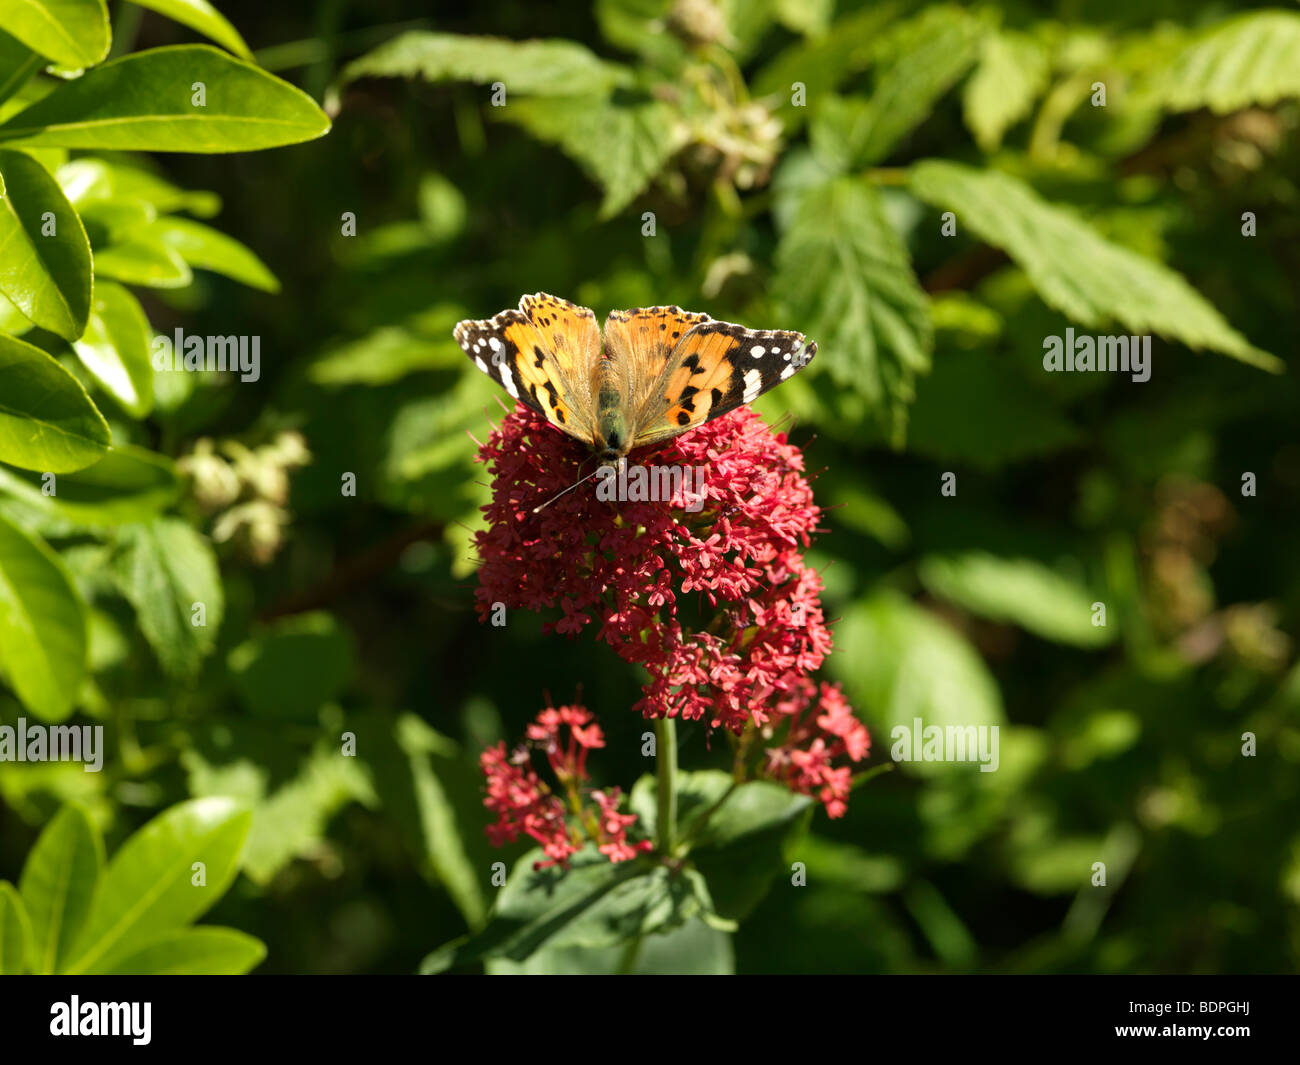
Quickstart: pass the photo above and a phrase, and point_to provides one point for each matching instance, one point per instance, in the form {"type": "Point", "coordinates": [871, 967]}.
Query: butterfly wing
{"type": "Point", "coordinates": [640, 342]}
{"type": "Point", "coordinates": [542, 355]}
{"type": "Point", "coordinates": [716, 367]}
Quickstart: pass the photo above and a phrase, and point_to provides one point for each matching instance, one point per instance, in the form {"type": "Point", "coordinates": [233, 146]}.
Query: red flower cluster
{"type": "Point", "coordinates": [803, 760]}
{"type": "Point", "coordinates": [524, 803]}
{"type": "Point", "coordinates": [631, 567]}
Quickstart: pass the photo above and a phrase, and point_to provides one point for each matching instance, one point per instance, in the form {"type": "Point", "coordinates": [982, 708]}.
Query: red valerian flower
{"type": "Point", "coordinates": [524, 803]}
{"type": "Point", "coordinates": [703, 582]}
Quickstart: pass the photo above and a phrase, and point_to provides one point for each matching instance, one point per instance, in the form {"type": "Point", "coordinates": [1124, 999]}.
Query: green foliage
{"type": "Point", "coordinates": [262, 591]}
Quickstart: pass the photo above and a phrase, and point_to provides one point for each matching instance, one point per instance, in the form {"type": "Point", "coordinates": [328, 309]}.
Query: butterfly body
{"type": "Point", "coordinates": [654, 373]}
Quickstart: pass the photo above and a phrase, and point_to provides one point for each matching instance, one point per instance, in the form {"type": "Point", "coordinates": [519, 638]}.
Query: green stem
{"type": "Point", "coordinates": [666, 772]}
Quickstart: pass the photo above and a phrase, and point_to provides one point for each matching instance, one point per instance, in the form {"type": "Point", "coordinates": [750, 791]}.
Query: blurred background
{"type": "Point", "coordinates": [1120, 744]}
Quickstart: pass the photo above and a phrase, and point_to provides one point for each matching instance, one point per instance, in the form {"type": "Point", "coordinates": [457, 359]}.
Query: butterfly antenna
{"type": "Point", "coordinates": [584, 480]}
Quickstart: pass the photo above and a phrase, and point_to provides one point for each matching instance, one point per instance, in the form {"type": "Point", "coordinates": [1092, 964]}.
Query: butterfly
{"type": "Point", "coordinates": [655, 372]}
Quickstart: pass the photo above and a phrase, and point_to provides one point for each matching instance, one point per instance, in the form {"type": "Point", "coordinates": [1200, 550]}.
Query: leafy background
{"type": "Point", "coordinates": [330, 612]}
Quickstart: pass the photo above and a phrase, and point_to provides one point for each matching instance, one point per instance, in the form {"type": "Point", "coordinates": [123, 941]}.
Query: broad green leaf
{"type": "Point", "coordinates": [165, 876]}
{"type": "Point", "coordinates": [855, 132]}
{"type": "Point", "coordinates": [42, 626]}
{"type": "Point", "coordinates": [144, 102]}
{"type": "Point", "coordinates": [128, 484]}
{"type": "Point", "coordinates": [899, 662]}
{"type": "Point", "coordinates": [201, 16]}
{"type": "Point", "coordinates": [115, 348]}
{"type": "Point", "coordinates": [167, 571]}
{"type": "Point", "coordinates": [294, 666]}
{"type": "Point", "coordinates": [621, 144]}
{"type": "Point", "coordinates": [87, 181]}
{"type": "Point", "coordinates": [550, 68]}
{"type": "Point", "coordinates": [694, 949]}
{"type": "Point", "coordinates": [201, 951]}
{"type": "Point", "coordinates": [697, 794]}
{"type": "Point", "coordinates": [139, 260]}
{"type": "Point", "coordinates": [1017, 590]}
{"type": "Point", "coordinates": [1073, 268]}
{"type": "Point", "coordinates": [47, 422]}
{"type": "Point", "coordinates": [15, 932]}
{"type": "Point", "coordinates": [1011, 73]}
{"type": "Point", "coordinates": [17, 64]}
{"type": "Point", "coordinates": [73, 33]}
{"type": "Point", "coordinates": [1253, 59]}
{"type": "Point", "coordinates": [44, 252]}
{"type": "Point", "coordinates": [58, 885]}
{"type": "Point", "coordinates": [847, 280]}
{"type": "Point", "coordinates": [205, 248]}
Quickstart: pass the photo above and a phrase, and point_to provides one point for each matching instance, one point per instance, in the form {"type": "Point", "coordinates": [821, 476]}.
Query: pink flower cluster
{"type": "Point", "coordinates": [524, 804]}
{"type": "Point", "coordinates": [715, 601]}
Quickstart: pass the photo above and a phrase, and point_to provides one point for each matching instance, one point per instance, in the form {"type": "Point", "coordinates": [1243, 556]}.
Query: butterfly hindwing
{"type": "Point", "coordinates": [541, 365]}
{"type": "Point", "coordinates": [716, 367]}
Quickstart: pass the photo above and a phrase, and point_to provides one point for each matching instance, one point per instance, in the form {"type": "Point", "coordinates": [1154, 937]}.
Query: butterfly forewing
{"type": "Point", "coordinates": [716, 367]}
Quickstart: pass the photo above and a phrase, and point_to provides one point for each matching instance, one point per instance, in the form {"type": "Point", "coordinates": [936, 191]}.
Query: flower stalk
{"type": "Point", "coordinates": [666, 774]}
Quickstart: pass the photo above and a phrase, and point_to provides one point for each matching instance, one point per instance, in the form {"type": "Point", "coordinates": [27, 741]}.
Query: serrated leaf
{"type": "Point", "coordinates": [621, 144]}
{"type": "Point", "coordinates": [115, 348]}
{"type": "Point", "coordinates": [42, 626]}
{"type": "Point", "coordinates": [1017, 590]}
{"type": "Point", "coordinates": [1253, 59]}
{"type": "Point", "coordinates": [58, 885]}
{"type": "Point", "coordinates": [201, 16]}
{"type": "Point", "coordinates": [73, 33]}
{"type": "Point", "coordinates": [847, 281]}
{"type": "Point", "coordinates": [143, 102]}
{"type": "Point", "coordinates": [193, 952]}
{"type": "Point", "coordinates": [1011, 72]}
{"type": "Point", "coordinates": [166, 570]}
{"type": "Point", "coordinates": [47, 422]}
{"type": "Point", "coordinates": [151, 885]}
{"type": "Point", "coordinates": [1075, 269]}
{"type": "Point", "coordinates": [550, 68]}
{"type": "Point", "coordinates": [44, 252]}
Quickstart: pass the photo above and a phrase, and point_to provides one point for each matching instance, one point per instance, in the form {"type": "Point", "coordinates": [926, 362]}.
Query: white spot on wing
{"type": "Point", "coordinates": [753, 385]}
{"type": "Point", "coordinates": [757, 351]}
{"type": "Point", "coordinates": [478, 361]}
{"type": "Point", "coordinates": [788, 371]}
{"type": "Point", "coordinates": [508, 380]}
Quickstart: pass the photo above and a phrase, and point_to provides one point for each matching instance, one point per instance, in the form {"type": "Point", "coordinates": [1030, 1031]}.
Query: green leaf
{"type": "Point", "coordinates": [167, 570]}
{"type": "Point", "coordinates": [621, 144]}
{"type": "Point", "coordinates": [58, 885]}
{"type": "Point", "coordinates": [549, 68]}
{"type": "Point", "coordinates": [1073, 268]}
{"type": "Point", "coordinates": [1253, 59]}
{"type": "Point", "coordinates": [1012, 71]}
{"type": "Point", "coordinates": [199, 951]}
{"type": "Point", "coordinates": [143, 102]}
{"type": "Point", "coordinates": [854, 132]}
{"type": "Point", "coordinates": [142, 260]}
{"type": "Point", "coordinates": [899, 662]}
{"type": "Point", "coordinates": [151, 886]}
{"type": "Point", "coordinates": [47, 422]}
{"type": "Point", "coordinates": [17, 64]}
{"type": "Point", "coordinates": [128, 484]}
{"type": "Point", "coordinates": [87, 181]}
{"type": "Point", "coordinates": [115, 348]}
{"type": "Point", "coordinates": [42, 626]}
{"type": "Point", "coordinates": [201, 16]}
{"type": "Point", "coordinates": [15, 932]}
{"type": "Point", "coordinates": [847, 280]}
{"type": "Point", "coordinates": [694, 949]}
{"type": "Point", "coordinates": [1017, 590]}
{"type": "Point", "coordinates": [73, 33]}
{"type": "Point", "coordinates": [294, 666]}
{"type": "Point", "coordinates": [44, 252]}
{"type": "Point", "coordinates": [206, 248]}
